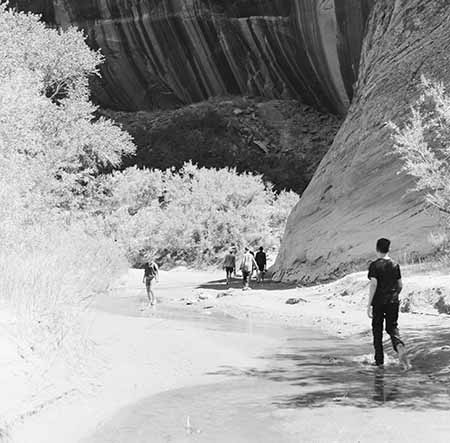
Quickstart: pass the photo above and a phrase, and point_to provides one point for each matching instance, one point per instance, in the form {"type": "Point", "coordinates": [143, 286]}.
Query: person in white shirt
{"type": "Point", "coordinates": [248, 263]}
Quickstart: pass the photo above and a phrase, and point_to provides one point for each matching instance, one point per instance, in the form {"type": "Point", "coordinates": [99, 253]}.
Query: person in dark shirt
{"type": "Point", "coordinates": [385, 287]}
{"type": "Point", "coordinates": [261, 261]}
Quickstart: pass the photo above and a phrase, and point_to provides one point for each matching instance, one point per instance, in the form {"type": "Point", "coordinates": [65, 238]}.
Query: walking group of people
{"type": "Point", "coordinates": [250, 264]}
{"type": "Point", "coordinates": [383, 302]}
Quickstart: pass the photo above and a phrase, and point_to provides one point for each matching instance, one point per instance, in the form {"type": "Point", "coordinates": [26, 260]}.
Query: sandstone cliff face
{"type": "Point", "coordinates": [165, 53]}
{"type": "Point", "coordinates": [42, 7]}
{"type": "Point", "coordinates": [356, 194]}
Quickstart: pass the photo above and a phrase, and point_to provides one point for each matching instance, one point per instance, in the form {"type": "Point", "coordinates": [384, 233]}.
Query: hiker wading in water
{"type": "Point", "coordinates": [151, 274]}
{"type": "Point", "coordinates": [385, 287]}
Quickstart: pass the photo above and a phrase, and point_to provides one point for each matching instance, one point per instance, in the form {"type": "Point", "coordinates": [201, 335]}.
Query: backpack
{"type": "Point", "coordinates": [150, 270]}
{"type": "Point", "coordinates": [247, 263]}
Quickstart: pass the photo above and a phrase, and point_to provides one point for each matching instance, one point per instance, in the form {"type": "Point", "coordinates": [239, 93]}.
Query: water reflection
{"type": "Point", "coordinates": [384, 392]}
{"type": "Point", "coordinates": [321, 378]}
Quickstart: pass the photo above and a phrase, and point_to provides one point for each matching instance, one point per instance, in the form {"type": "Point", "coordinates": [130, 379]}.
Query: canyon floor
{"type": "Point", "coordinates": [212, 363]}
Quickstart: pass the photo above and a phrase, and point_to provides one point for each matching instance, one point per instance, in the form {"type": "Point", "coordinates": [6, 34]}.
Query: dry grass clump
{"type": "Point", "coordinates": [49, 275]}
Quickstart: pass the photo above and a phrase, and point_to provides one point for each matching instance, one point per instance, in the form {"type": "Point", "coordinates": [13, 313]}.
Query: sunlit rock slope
{"type": "Point", "coordinates": [357, 194]}
{"type": "Point", "coordinates": [164, 53]}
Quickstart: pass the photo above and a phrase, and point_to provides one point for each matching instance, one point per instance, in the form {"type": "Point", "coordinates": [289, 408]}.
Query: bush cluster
{"type": "Point", "coordinates": [192, 215]}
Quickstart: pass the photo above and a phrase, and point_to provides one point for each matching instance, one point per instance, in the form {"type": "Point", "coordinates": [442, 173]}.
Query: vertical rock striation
{"type": "Point", "coordinates": [357, 194]}
{"type": "Point", "coordinates": [164, 53]}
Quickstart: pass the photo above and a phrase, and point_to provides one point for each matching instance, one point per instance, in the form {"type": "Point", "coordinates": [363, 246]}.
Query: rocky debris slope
{"type": "Point", "coordinates": [281, 139]}
{"type": "Point", "coordinates": [166, 53]}
{"type": "Point", "coordinates": [357, 194]}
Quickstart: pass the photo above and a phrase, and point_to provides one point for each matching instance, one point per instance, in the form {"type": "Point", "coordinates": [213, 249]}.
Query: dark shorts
{"type": "Point", "coordinates": [229, 269]}
{"type": "Point", "coordinates": [148, 281]}
{"type": "Point", "coordinates": [261, 268]}
{"type": "Point", "coordinates": [245, 276]}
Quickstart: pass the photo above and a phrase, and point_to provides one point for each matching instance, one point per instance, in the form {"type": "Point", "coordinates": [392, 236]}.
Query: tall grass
{"type": "Point", "coordinates": [49, 275]}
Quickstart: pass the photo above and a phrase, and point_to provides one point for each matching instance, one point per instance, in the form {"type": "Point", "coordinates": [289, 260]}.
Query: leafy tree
{"type": "Point", "coordinates": [53, 255]}
{"type": "Point", "coordinates": [424, 144]}
{"type": "Point", "coordinates": [47, 123]}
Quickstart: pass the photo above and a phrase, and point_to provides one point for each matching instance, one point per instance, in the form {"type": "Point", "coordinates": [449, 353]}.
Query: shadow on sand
{"type": "Point", "coordinates": [327, 372]}
{"type": "Point", "coordinates": [236, 283]}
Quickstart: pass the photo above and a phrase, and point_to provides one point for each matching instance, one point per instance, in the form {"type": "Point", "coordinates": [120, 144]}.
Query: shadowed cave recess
{"type": "Point", "coordinates": [260, 85]}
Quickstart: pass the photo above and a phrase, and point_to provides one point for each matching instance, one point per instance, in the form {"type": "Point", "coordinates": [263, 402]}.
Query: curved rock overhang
{"type": "Point", "coordinates": [359, 192]}
{"type": "Point", "coordinates": [166, 53]}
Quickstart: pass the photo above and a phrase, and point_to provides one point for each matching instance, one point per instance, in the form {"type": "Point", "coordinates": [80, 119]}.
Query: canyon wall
{"type": "Point", "coordinates": [166, 53]}
{"type": "Point", "coordinates": [357, 193]}
{"type": "Point", "coordinates": [326, 53]}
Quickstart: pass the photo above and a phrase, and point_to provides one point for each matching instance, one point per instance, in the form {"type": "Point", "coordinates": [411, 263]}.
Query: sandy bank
{"type": "Point", "coordinates": [338, 308]}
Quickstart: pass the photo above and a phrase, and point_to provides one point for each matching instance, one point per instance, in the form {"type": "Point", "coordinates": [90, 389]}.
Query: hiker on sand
{"type": "Point", "coordinates": [261, 261]}
{"type": "Point", "coordinates": [151, 273]}
{"type": "Point", "coordinates": [229, 264]}
{"type": "Point", "coordinates": [385, 287]}
{"type": "Point", "coordinates": [247, 264]}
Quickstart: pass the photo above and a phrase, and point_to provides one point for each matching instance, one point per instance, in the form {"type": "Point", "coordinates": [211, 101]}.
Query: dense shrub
{"type": "Point", "coordinates": [192, 215]}
{"type": "Point", "coordinates": [424, 144]}
{"type": "Point", "coordinates": [52, 257]}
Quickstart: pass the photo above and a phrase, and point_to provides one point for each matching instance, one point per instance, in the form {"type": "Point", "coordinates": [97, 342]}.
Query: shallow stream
{"type": "Point", "coordinates": [297, 392]}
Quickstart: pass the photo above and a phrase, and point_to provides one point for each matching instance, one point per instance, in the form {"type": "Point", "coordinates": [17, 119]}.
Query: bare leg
{"type": "Point", "coordinates": [392, 330]}
{"type": "Point", "coordinates": [228, 276]}
{"type": "Point", "coordinates": [403, 357]}
{"type": "Point", "coordinates": [150, 293]}
{"type": "Point", "coordinates": [245, 278]}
